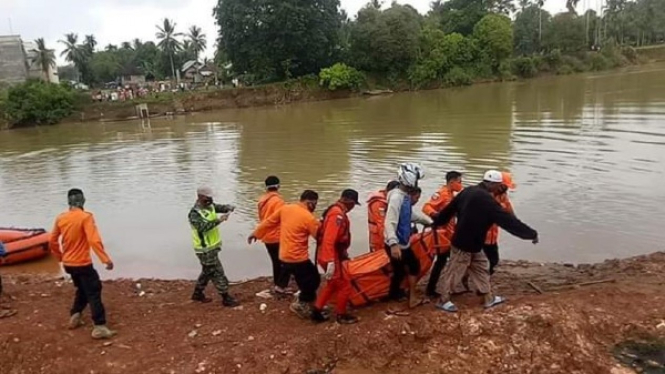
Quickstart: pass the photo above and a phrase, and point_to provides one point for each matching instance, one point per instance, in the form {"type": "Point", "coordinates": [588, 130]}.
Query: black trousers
{"type": "Point", "coordinates": [492, 253]}
{"type": "Point", "coordinates": [88, 291]}
{"type": "Point", "coordinates": [278, 279]}
{"type": "Point", "coordinates": [408, 263]}
{"type": "Point", "coordinates": [307, 277]}
{"type": "Point", "coordinates": [435, 274]}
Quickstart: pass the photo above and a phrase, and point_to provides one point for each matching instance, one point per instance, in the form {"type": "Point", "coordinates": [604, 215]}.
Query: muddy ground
{"type": "Point", "coordinates": [567, 329]}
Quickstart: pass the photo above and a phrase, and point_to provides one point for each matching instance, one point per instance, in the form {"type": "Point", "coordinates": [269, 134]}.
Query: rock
{"type": "Point", "coordinates": [216, 332]}
{"type": "Point", "coordinates": [198, 325]}
{"type": "Point", "coordinates": [193, 333]}
{"type": "Point", "coordinates": [142, 293]}
{"type": "Point", "coordinates": [621, 370]}
{"type": "Point", "coordinates": [263, 307]}
{"type": "Point", "coordinates": [238, 308]}
{"type": "Point", "coordinates": [250, 338]}
{"type": "Point", "coordinates": [661, 325]}
{"type": "Point", "coordinates": [106, 344]}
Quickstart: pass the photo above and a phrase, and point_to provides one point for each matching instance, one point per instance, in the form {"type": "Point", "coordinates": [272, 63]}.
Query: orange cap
{"type": "Point", "coordinates": [507, 179]}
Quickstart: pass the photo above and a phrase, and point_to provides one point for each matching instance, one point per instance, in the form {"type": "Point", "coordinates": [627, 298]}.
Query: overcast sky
{"type": "Point", "coordinates": [115, 21]}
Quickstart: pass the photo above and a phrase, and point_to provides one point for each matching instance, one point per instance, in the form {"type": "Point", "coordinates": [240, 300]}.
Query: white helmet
{"type": "Point", "coordinates": [409, 174]}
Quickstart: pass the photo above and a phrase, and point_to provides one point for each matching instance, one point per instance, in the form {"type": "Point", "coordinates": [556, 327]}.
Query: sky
{"type": "Point", "coordinates": [115, 21]}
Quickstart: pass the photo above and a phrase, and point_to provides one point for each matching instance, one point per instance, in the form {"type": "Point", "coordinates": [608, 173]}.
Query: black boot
{"type": "Point", "coordinates": [200, 297]}
{"type": "Point", "coordinates": [318, 316]}
{"type": "Point", "coordinates": [229, 301]}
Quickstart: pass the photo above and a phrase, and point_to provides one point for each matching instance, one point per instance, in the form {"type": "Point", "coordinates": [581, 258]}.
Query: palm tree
{"type": "Point", "coordinates": [198, 40]}
{"type": "Point", "coordinates": [111, 47]}
{"type": "Point", "coordinates": [43, 57]}
{"type": "Point", "coordinates": [90, 43]}
{"type": "Point", "coordinates": [125, 45]}
{"type": "Point", "coordinates": [137, 44]}
{"type": "Point", "coordinates": [168, 42]}
{"type": "Point", "coordinates": [72, 50]}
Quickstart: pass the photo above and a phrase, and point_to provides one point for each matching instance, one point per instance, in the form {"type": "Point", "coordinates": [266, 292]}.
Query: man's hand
{"type": "Point", "coordinates": [395, 252]}
{"type": "Point", "coordinates": [109, 265]}
{"type": "Point", "coordinates": [251, 239]}
{"type": "Point", "coordinates": [535, 240]}
{"type": "Point", "coordinates": [223, 217]}
{"type": "Point", "coordinates": [329, 271]}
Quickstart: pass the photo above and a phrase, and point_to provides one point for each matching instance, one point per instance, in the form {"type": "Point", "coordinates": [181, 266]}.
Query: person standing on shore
{"type": "Point", "coordinates": [204, 219]}
{"type": "Point", "coordinates": [376, 216]}
{"type": "Point", "coordinates": [436, 203]}
{"type": "Point", "coordinates": [491, 247]}
{"type": "Point", "coordinates": [476, 211]}
{"type": "Point", "coordinates": [268, 204]}
{"type": "Point", "coordinates": [296, 223]}
{"type": "Point", "coordinates": [78, 233]}
{"type": "Point", "coordinates": [397, 232]}
{"type": "Point", "coordinates": [332, 255]}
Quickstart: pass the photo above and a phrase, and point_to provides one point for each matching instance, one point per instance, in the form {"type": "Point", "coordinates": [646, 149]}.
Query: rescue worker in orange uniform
{"type": "Point", "coordinates": [78, 233]}
{"type": "Point", "coordinates": [332, 255]}
{"type": "Point", "coordinates": [268, 204]}
{"type": "Point", "coordinates": [437, 203]}
{"type": "Point", "coordinates": [491, 247]}
{"type": "Point", "coordinates": [376, 216]}
{"type": "Point", "coordinates": [296, 223]}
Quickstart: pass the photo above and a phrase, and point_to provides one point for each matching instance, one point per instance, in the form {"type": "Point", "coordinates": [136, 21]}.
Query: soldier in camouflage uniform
{"type": "Point", "coordinates": [204, 221]}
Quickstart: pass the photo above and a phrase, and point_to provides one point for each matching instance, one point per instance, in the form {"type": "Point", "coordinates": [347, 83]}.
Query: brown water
{"type": "Point", "coordinates": [587, 152]}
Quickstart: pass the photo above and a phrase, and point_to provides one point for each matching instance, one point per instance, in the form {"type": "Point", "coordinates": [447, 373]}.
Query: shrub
{"type": "Point", "coordinates": [524, 67]}
{"type": "Point", "coordinates": [341, 76]}
{"type": "Point", "coordinates": [630, 53]}
{"type": "Point", "coordinates": [554, 59]}
{"type": "Point", "coordinates": [599, 62]}
{"type": "Point", "coordinates": [38, 103]}
{"type": "Point", "coordinates": [457, 76]}
{"type": "Point", "coordinates": [573, 63]}
{"type": "Point", "coordinates": [506, 70]}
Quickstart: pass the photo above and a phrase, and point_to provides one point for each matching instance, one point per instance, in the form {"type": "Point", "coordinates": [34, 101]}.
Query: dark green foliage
{"type": "Point", "coordinates": [37, 103]}
{"type": "Point", "coordinates": [524, 67]}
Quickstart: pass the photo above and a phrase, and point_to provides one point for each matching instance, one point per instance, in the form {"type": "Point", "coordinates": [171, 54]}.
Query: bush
{"type": "Point", "coordinates": [598, 62]}
{"type": "Point", "coordinates": [506, 70]}
{"type": "Point", "coordinates": [554, 59]}
{"type": "Point", "coordinates": [630, 53]}
{"type": "Point", "coordinates": [573, 63]}
{"type": "Point", "coordinates": [341, 76]}
{"type": "Point", "coordinates": [38, 103]}
{"type": "Point", "coordinates": [457, 76]}
{"type": "Point", "coordinates": [524, 67]}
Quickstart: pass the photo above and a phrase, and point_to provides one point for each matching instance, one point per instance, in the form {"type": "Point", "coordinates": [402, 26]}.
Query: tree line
{"type": "Point", "coordinates": [455, 42]}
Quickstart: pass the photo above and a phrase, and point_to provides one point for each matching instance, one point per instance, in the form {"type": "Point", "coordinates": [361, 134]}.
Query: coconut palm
{"type": "Point", "coordinates": [90, 43]}
{"type": "Point", "coordinates": [72, 50]}
{"type": "Point", "coordinates": [43, 57]}
{"type": "Point", "coordinates": [571, 4]}
{"type": "Point", "coordinates": [125, 45]}
{"type": "Point", "coordinates": [197, 39]}
{"type": "Point", "coordinates": [168, 42]}
{"type": "Point", "coordinates": [137, 44]}
{"type": "Point", "coordinates": [111, 47]}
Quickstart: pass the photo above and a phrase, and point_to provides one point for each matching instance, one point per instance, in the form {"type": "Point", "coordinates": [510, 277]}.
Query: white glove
{"type": "Point", "coordinates": [330, 271]}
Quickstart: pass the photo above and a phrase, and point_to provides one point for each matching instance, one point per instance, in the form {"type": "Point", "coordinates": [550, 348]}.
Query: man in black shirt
{"type": "Point", "coordinates": [476, 211]}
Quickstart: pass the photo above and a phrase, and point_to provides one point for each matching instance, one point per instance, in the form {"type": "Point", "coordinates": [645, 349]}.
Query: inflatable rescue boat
{"type": "Point", "coordinates": [23, 245]}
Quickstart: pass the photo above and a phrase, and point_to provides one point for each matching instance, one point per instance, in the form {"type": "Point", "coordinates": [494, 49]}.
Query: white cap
{"type": "Point", "coordinates": [493, 176]}
{"type": "Point", "coordinates": [204, 191]}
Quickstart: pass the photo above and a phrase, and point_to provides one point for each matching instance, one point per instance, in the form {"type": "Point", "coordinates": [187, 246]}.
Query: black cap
{"type": "Point", "coordinates": [351, 195]}
{"type": "Point", "coordinates": [272, 182]}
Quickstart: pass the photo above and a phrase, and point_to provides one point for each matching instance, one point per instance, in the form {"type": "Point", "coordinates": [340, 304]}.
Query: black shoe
{"type": "Point", "coordinates": [201, 298]}
{"type": "Point", "coordinates": [433, 294]}
{"type": "Point", "coordinates": [229, 301]}
{"type": "Point", "coordinates": [347, 319]}
{"type": "Point", "coordinates": [318, 316]}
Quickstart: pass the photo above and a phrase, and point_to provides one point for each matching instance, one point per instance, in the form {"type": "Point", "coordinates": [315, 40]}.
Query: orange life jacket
{"type": "Point", "coordinates": [335, 219]}
{"type": "Point", "coordinates": [376, 218]}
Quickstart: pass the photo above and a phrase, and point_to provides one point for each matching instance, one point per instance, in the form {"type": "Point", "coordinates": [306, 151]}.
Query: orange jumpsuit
{"type": "Point", "coordinates": [334, 243]}
{"type": "Point", "coordinates": [376, 217]}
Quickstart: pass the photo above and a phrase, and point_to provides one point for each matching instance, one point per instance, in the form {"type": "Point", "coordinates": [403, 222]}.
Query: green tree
{"type": "Point", "coordinates": [571, 5]}
{"type": "Point", "coordinates": [566, 32]}
{"type": "Point", "coordinates": [198, 40]}
{"type": "Point", "coordinates": [276, 39]}
{"type": "Point", "coordinates": [90, 43]}
{"type": "Point", "coordinates": [385, 41]}
{"type": "Point", "coordinates": [105, 66]}
{"type": "Point", "coordinates": [37, 103]}
{"type": "Point", "coordinates": [505, 7]}
{"type": "Point", "coordinates": [44, 58]}
{"type": "Point", "coordinates": [494, 34]}
{"type": "Point", "coordinates": [168, 42]}
{"type": "Point", "coordinates": [527, 29]}
{"type": "Point", "coordinates": [459, 16]}
{"type": "Point", "coordinates": [439, 54]}
{"type": "Point", "coordinates": [111, 47]}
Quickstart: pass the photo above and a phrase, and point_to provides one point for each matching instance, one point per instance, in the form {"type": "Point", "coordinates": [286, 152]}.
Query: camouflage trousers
{"type": "Point", "coordinates": [211, 271]}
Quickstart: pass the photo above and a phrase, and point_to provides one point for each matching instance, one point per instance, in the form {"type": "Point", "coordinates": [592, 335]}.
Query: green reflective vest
{"type": "Point", "coordinates": [205, 241]}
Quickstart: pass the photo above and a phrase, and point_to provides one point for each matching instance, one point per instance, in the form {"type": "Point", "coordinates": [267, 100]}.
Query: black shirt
{"type": "Point", "coordinates": [476, 212]}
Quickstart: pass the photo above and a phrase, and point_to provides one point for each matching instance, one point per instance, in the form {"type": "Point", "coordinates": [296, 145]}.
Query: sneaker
{"type": "Point", "coordinates": [102, 332]}
{"type": "Point", "coordinates": [229, 301]}
{"type": "Point", "coordinates": [318, 316]}
{"type": "Point", "coordinates": [201, 298]}
{"type": "Point", "coordinates": [75, 321]}
{"type": "Point", "coordinates": [301, 309]}
{"type": "Point", "coordinates": [347, 319]}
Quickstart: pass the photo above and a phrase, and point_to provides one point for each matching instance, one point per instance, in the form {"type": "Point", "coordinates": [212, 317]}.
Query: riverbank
{"type": "Point", "coordinates": [573, 327]}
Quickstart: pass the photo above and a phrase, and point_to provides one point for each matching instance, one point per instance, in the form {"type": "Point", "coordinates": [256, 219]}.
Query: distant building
{"type": "Point", "coordinates": [16, 61]}
{"type": "Point", "coordinates": [190, 71]}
